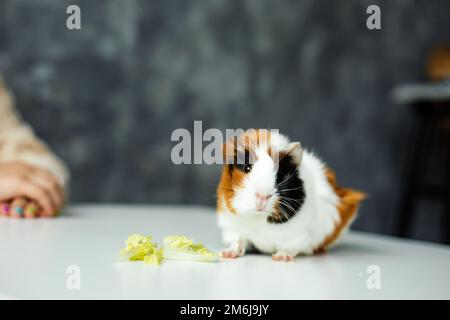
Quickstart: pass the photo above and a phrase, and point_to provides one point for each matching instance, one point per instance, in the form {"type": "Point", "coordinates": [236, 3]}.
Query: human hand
{"type": "Point", "coordinates": [28, 191]}
{"type": "Point", "coordinates": [19, 208]}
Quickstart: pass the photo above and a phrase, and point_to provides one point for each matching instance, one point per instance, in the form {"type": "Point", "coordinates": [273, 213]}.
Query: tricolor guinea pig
{"type": "Point", "coordinates": [279, 199]}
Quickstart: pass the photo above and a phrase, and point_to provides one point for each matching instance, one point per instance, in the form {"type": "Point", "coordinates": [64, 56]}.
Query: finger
{"type": "Point", "coordinates": [38, 195]}
{"type": "Point", "coordinates": [31, 210]}
{"type": "Point", "coordinates": [18, 207]}
{"type": "Point", "coordinates": [50, 180]}
{"type": "Point", "coordinates": [10, 192]}
{"type": "Point", "coordinates": [51, 187]}
{"type": "Point", "coordinates": [4, 209]}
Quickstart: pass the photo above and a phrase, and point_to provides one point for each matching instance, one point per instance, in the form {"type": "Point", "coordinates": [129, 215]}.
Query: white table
{"type": "Point", "coordinates": [34, 256]}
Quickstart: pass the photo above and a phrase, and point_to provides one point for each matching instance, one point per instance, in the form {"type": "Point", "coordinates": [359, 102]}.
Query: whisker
{"type": "Point", "coordinates": [290, 208]}
{"type": "Point", "coordinates": [287, 214]}
{"type": "Point", "coordinates": [282, 190]}
{"type": "Point", "coordinates": [287, 178]}
{"type": "Point", "coordinates": [286, 197]}
{"type": "Point", "coordinates": [284, 214]}
{"type": "Point", "coordinates": [293, 200]}
{"type": "Point", "coordinates": [288, 205]}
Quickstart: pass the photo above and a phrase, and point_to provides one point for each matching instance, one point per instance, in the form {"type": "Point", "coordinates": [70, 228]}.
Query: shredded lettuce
{"type": "Point", "coordinates": [141, 248]}
{"type": "Point", "coordinates": [155, 258]}
{"type": "Point", "coordinates": [182, 248]}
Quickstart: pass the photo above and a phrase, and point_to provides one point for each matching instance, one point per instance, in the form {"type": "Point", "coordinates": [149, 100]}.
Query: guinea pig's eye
{"type": "Point", "coordinates": [244, 167]}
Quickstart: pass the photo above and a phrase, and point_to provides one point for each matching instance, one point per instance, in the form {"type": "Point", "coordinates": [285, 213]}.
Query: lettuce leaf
{"type": "Point", "coordinates": [155, 258]}
{"type": "Point", "coordinates": [182, 248]}
{"type": "Point", "coordinates": [141, 248]}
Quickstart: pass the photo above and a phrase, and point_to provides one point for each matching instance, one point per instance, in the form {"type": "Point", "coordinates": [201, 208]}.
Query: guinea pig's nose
{"type": "Point", "coordinates": [263, 196]}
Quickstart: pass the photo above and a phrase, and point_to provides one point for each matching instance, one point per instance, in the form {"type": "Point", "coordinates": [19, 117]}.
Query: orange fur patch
{"type": "Point", "coordinates": [249, 141]}
{"type": "Point", "coordinates": [229, 181]}
{"type": "Point", "coordinates": [349, 201]}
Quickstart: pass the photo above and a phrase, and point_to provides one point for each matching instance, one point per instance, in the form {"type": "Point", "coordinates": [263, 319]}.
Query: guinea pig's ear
{"type": "Point", "coordinates": [295, 150]}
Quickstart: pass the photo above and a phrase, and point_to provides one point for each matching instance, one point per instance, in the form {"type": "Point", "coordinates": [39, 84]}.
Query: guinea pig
{"type": "Point", "coordinates": [279, 199]}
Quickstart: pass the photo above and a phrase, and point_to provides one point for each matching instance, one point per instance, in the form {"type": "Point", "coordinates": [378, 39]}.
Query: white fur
{"type": "Point", "coordinates": [261, 179]}
{"type": "Point", "coordinates": [303, 233]}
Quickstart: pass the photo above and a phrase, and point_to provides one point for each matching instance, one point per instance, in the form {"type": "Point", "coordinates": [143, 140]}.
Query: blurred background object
{"type": "Point", "coordinates": [107, 97]}
{"type": "Point", "coordinates": [438, 66]}
{"type": "Point", "coordinates": [427, 174]}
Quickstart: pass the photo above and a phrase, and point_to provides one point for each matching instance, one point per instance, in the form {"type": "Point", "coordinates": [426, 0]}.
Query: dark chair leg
{"type": "Point", "coordinates": [414, 166]}
{"type": "Point", "coordinates": [446, 212]}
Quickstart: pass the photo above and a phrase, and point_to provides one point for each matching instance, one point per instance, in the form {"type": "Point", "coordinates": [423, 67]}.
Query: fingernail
{"type": "Point", "coordinates": [19, 210]}
{"type": "Point", "coordinates": [31, 211]}
{"type": "Point", "coordinates": [5, 209]}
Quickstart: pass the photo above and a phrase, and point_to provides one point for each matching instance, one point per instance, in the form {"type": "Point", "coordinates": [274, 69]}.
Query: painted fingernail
{"type": "Point", "coordinates": [19, 210]}
{"type": "Point", "coordinates": [5, 209]}
{"type": "Point", "coordinates": [30, 212]}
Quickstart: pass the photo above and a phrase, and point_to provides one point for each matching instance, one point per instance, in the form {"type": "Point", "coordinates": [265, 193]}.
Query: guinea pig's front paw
{"type": "Point", "coordinates": [279, 256]}
{"type": "Point", "coordinates": [233, 252]}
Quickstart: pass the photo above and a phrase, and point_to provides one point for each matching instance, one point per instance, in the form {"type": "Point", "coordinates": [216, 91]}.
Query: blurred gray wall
{"type": "Point", "coordinates": [107, 98]}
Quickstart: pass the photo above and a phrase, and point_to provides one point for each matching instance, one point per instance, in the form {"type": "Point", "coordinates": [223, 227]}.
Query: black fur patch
{"type": "Point", "coordinates": [290, 189]}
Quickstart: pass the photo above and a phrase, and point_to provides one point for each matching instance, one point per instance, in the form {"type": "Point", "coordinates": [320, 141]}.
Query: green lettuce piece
{"type": "Point", "coordinates": [182, 248]}
{"type": "Point", "coordinates": [141, 248]}
{"type": "Point", "coordinates": [155, 258]}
